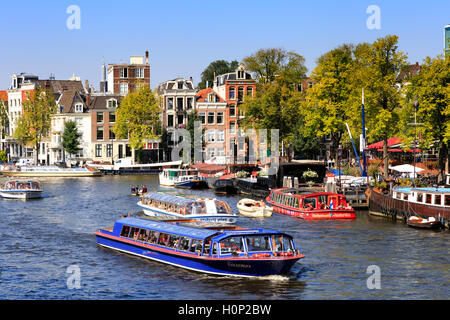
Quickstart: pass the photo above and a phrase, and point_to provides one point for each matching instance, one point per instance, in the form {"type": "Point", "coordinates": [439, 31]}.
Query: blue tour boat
{"type": "Point", "coordinates": [221, 251]}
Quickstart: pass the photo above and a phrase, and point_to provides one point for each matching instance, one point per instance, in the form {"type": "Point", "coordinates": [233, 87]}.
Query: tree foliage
{"type": "Point", "coordinates": [70, 137]}
{"type": "Point", "coordinates": [137, 117]}
{"type": "Point", "coordinates": [269, 64]}
{"type": "Point", "coordinates": [431, 89]}
{"type": "Point", "coordinates": [217, 67]}
{"type": "Point", "coordinates": [35, 121]}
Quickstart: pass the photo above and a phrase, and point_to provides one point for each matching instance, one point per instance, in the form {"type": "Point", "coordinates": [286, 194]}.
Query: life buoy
{"type": "Point", "coordinates": [285, 254]}
{"type": "Point", "coordinates": [261, 255]}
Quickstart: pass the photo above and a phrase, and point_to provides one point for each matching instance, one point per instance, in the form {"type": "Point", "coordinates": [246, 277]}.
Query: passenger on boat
{"type": "Point", "coordinates": [144, 189]}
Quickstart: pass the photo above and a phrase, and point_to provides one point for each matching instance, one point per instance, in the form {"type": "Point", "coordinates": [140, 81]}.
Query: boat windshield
{"type": "Point", "coordinates": [256, 243]}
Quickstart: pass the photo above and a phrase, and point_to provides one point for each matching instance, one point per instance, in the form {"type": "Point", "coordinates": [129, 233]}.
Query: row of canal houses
{"type": "Point", "coordinates": [94, 112]}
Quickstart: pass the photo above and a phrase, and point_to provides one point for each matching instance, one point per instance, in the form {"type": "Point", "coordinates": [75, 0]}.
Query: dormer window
{"type": "Point", "coordinates": [111, 103]}
{"type": "Point", "coordinates": [211, 97]}
{"type": "Point", "coordinates": [78, 108]}
{"type": "Point", "coordinates": [241, 74]}
{"type": "Point", "coordinates": [180, 85]}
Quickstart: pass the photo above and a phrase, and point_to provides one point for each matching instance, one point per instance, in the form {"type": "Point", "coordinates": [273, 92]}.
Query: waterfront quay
{"type": "Point", "coordinates": [48, 251]}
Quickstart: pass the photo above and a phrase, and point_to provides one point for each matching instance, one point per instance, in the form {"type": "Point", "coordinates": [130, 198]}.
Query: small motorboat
{"type": "Point", "coordinates": [418, 222]}
{"type": "Point", "coordinates": [254, 209]}
{"type": "Point", "coordinates": [21, 189]}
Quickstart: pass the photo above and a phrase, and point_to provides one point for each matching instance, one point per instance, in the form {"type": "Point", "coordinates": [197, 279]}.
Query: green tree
{"type": "Point", "coordinates": [276, 106]}
{"type": "Point", "coordinates": [3, 156]}
{"type": "Point", "coordinates": [35, 121]}
{"type": "Point", "coordinates": [70, 137]}
{"type": "Point", "coordinates": [377, 66]}
{"type": "Point", "coordinates": [326, 109]}
{"type": "Point", "coordinates": [269, 64]}
{"type": "Point", "coordinates": [431, 89]}
{"type": "Point", "coordinates": [137, 118]}
{"type": "Point", "coordinates": [217, 67]}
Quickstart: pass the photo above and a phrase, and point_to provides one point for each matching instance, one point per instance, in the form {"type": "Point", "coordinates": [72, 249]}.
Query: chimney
{"type": "Point", "coordinates": [190, 79]}
{"type": "Point", "coordinates": [86, 85]}
{"type": "Point", "coordinates": [146, 57]}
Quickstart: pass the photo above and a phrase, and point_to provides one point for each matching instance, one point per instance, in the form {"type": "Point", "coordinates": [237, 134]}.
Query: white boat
{"type": "Point", "coordinates": [254, 209]}
{"type": "Point", "coordinates": [51, 171]}
{"type": "Point", "coordinates": [173, 206]}
{"type": "Point", "coordinates": [21, 189]}
{"type": "Point", "coordinates": [182, 178]}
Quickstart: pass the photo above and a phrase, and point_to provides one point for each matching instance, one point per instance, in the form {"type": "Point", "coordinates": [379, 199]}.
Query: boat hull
{"type": "Point", "coordinates": [18, 194]}
{"type": "Point", "coordinates": [424, 225]}
{"type": "Point", "coordinates": [192, 184]}
{"type": "Point", "coordinates": [252, 211]}
{"type": "Point", "coordinates": [236, 266]}
{"type": "Point", "coordinates": [385, 205]}
{"type": "Point", "coordinates": [214, 219]}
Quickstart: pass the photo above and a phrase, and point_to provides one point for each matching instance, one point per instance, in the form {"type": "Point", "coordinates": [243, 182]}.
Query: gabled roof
{"type": "Point", "coordinates": [203, 94]}
{"type": "Point", "coordinates": [100, 101]}
{"type": "Point", "coordinates": [61, 85]}
{"type": "Point", "coordinates": [69, 99]}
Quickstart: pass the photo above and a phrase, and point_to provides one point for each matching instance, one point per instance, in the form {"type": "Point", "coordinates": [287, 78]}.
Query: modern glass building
{"type": "Point", "coordinates": [447, 40]}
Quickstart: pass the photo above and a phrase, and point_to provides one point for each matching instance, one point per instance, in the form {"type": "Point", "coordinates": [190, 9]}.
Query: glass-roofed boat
{"type": "Point", "coordinates": [230, 251]}
{"type": "Point", "coordinates": [176, 206]}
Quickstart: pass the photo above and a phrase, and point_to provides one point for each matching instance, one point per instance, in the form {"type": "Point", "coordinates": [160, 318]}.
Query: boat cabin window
{"type": "Point", "coordinates": [214, 250]}
{"type": "Point", "coordinates": [398, 195]}
{"type": "Point", "coordinates": [447, 200]}
{"type": "Point", "coordinates": [143, 234]}
{"type": "Point", "coordinates": [184, 243]}
{"type": "Point", "coordinates": [221, 208]}
{"type": "Point", "coordinates": [419, 197]}
{"type": "Point", "coordinates": [163, 237]}
{"type": "Point", "coordinates": [153, 236]}
{"type": "Point", "coordinates": [231, 244]}
{"type": "Point", "coordinates": [282, 243]}
{"type": "Point", "coordinates": [427, 198]}
{"type": "Point", "coordinates": [405, 196]}
{"type": "Point", "coordinates": [207, 247]}
{"type": "Point", "coordinates": [258, 243]}
{"type": "Point", "coordinates": [125, 231]}
{"type": "Point", "coordinates": [173, 241]}
{"type": "Point", "coordinates": [437, 199]}
{"type": "Point", "coordinates": [134, 233]}
{"type": "Point", "coordinates": [196, 246]}
{"type": "Point", "coordinates": [309, 203]}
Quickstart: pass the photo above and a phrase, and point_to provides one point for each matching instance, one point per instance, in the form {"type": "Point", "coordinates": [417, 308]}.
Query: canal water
{"type": "Point", "coordinates": [47, 245]}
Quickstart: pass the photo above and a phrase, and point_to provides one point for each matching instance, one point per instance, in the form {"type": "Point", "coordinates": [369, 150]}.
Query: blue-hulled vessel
{"type": "Point", "coordinates": [221, 251]}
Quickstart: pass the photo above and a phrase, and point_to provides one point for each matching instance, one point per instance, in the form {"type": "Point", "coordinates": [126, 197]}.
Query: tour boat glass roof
{"type": "Point", "coordinates": [168, 227]}
{"type": "Point", "coordinates": [169, 198]}
{"type": "Point", "coordinates": [431, 190]}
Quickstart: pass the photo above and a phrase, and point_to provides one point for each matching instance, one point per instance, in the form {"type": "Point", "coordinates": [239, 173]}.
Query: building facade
{"type": "Point", "coordinates": [124, 78]}
{"type": "Point", "coordinates": [105, 147]}
{"type": "Point", "coordinates": [234, 87]}
{"type": "Point", "coordinates": [177, 100]}
{"type": "Point", "coordinates": [212, 109]}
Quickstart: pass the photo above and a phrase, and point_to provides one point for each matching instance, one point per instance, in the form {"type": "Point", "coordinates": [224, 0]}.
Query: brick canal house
{"type": "Point", "coordinates": [234, 87]}
{"type": "Point", "coordinates": [212, 109]}
{"type": "Point", "coordinates": [123, 78]}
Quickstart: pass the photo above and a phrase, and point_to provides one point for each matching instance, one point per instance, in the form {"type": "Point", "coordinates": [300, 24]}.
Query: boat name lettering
{"type": "Point", "coordinates": [239, 265]}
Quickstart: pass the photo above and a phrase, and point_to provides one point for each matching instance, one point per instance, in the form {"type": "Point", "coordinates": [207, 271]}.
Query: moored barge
{"type": "Point", "coordinates": [404, 202]}
{"type": "Point", "coordinates": [227, 252]}
{"type": "Point", "coordinates": [310, 205]}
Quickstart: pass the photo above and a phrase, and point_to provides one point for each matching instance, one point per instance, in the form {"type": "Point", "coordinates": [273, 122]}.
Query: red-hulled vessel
{"type": "Point", "coordinates": [310, 205]}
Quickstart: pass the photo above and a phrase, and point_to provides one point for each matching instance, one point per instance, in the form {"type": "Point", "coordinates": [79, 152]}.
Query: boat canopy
{"type": "Point", "coordinates": [169, 198]}
{"type": "Point", "coordinates": [167, 227]}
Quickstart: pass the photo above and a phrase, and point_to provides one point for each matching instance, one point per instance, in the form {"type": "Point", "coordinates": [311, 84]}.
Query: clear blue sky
{"type": "Point", "coordinates": [183, 37]}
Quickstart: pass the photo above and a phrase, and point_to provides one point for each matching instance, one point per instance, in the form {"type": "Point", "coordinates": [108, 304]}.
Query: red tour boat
{"type": "Point", "coordinates": [310, 206]}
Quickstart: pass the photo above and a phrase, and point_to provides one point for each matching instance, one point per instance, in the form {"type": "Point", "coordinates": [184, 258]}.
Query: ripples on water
{"type": "Point", "coordinates": [40, 239]}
